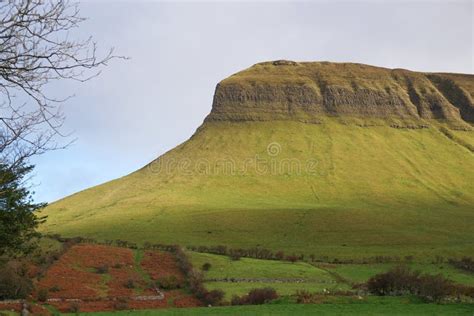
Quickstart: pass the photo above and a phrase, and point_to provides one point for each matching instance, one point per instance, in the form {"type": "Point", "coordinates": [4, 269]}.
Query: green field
{"type": "Point", "coordinates": [376, 306]}
{"type": "Point", "coordinates": [247, 274]}
{"type": "Point", "coordinates": [224, 267]}
{"type": "Point", "coordinates": [241, 276]}
{"type": "Point", "coordinates": [357, 273]}
{"type": "Point", "coordinates": [372, 191]}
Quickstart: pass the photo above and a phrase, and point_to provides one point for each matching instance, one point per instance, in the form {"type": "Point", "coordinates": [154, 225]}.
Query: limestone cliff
{"type": "Point", "coordinates": [308, 91]}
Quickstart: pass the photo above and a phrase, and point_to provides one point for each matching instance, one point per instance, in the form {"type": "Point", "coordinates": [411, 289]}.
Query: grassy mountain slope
{"type": "Point", "coordinates": [333, 184]}
{"type": "Point", "coordinates": [377, 188]}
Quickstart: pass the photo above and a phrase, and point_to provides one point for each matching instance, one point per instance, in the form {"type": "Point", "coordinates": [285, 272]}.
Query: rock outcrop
{"type": "Point", "coordinates": [308, 91]}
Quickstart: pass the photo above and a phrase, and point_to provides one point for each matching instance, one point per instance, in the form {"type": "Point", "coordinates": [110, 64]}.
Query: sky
{"type": "Point", "coordinates": [138, 109]}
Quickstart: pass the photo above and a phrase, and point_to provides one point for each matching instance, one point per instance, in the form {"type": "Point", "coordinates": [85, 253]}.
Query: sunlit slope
{"type": "Point", "coordinates": [334, 189]}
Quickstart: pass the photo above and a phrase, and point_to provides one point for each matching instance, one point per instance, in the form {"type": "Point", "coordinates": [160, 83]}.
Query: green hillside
{"type": "Point", "coordinates": [340, 184]}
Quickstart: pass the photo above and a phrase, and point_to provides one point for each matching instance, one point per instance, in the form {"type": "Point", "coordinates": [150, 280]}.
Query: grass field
{"type": "Point", "coordinates": [285, 277]}
{"type": "Point", "coordinates": [372, 191]}
{"type": "Point", "coordinates": [224, 267]}
{"type": "Point", "coordinates": [357, 273]}
{"type": "Point", "coordinates": [375, 306]}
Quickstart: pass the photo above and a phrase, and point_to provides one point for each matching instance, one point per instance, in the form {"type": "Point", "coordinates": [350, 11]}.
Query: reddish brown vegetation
{"type": "Point", "coordinates": [104, 278]}
{"type": "Point", "coordinates": [160, 264]}
{"type": "Point", "coordinates": [10, 307]}
{"type": "Point", "coordinates": [74, 276]}
{"type": "Point", "coordinates": [34, 309]}
{"type": "Point", "coordinates": [172, 299]}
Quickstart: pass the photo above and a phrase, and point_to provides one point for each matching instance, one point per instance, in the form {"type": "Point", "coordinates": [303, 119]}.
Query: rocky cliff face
{"type": "Point", "coordinates": [308, 91]}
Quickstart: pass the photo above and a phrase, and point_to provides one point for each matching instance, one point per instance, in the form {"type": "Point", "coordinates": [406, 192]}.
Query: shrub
{"type": "Point", "coordinates": [434, 288]}
{"type": "Point", "coordinates": [466, 263]}
{"type": "Point", "coordinates": [43, 295]}
{"type": "Point", "coordinates": [261, 296]}
{"type": "Point", "coordinates": [213, 297]}
{"type": "Point", "coordinates": [206, 266]}
{"type": "Point", "coordinates": [121, 304]}
{"type": "Point", "coordinates": [292, 258]}
{"type": "Point", "coordinates": [256, 297]}
{"type": "Point", "coordinates": [183, 262]}
{"type": "Point", "coordinates": [398, 281]}
{"type": "Point", "coordinates": [220, 250]}
{"type": "Point", "coordinates": [463, 290]}
{"type": "Point", "coordinates": [303, 297]}
{"type": "Point", "coordinates": [168, 283]}
{"type": "Point", "coordinates": [55, 288]}
{"type": "Point", "coordinates": [74, 307]}
{"type": "Point", "coordinates": [195, 284]}
{"type": "Point", "coordinates": [235, 256]}
{"type": "Point", "coordinates": [130, 284]}
{"type": "Point", "coordinates": [236, 300]}
{"type": "Point", "coordinates": [439, 259]}
{"type": "Point", "coordinates": [102, 269]}
{"type": "Point", "coordinates": [401, 280]}
{"type": "Point", "coordinates": [280, 255]}
{"type": "Point", "coordinates": [195, 278]}
{"type": "Point", "coordinates": [14, 281]}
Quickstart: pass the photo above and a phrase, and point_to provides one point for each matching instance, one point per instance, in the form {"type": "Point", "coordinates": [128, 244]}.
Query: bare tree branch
{"type": "Point", "coordinates": [35, 49]}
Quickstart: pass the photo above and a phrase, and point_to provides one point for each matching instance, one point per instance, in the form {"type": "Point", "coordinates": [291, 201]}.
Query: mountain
{"type": "Point", "coordinates": [337, 159]}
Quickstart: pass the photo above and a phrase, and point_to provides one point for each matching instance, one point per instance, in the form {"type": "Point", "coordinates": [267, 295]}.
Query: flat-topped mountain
{"type": "Point", "coordinates": [339, 160]}
{"type": "Point", "coordinates": [286, 90]}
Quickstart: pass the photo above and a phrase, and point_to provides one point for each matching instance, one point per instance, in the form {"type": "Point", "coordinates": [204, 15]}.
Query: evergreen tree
{"type": "Point", "coordinates": [18, 216]}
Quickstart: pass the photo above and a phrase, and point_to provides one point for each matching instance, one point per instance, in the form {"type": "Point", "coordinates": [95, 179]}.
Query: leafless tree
{"type": "Point", "coordinates": [35, 50]}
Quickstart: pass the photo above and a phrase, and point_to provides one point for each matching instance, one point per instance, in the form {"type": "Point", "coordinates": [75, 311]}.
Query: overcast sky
{"type": "Point", "coordinates": [140, 108]}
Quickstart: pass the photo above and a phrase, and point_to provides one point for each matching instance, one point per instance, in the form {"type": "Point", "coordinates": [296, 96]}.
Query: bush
{"type": "Point", "coordinates": [121, 304]}
{"type": "Point", "coordinates": [304, 297]}
{"type": "Point", "coordinates": [261, 296]}
{"type": "Point", "coordinates": [235, 255]}
{"type": "Point", "coordinates": [195, 284]}
{"type": "Point", "coordinates": [280, 255]}
{"type": "Point", "coordinates": [398, 281]}
{"type": "Point", "coordinates": [434, 288]}
{"type": "Point", "coordinates": [206, 266]}
{"type": "Point", "coordinates": [236, 300]}
{"type": "Point", "coordinates": [168, 283]}
{"type": "Point", "coordinates": [183, 262]}
{"type": "Point", "coordinates": [292, 258]}
{"type": "Point", "coordinates": [102, 269]}
{"type": "Point", "coordinates": [14, 281]}
{"type": "Point", "coordinates": [401, 281]}
{"type": "Point", "coordinates": [195, 277]}
{"type": "Point", "coordinates": [464, 290]}
{"type": "Point", "coordinates": [43, 295]}
{"type": "Point", "coordinates": [213, 297]}
{"type": "Point", "coordinates": [466, 263]}
{"type": "Point", "coordinates": [130, 284]}
{"type": "Point", "coordinates": [256, 297]}
{"type": "Point", "coordinates": [55, 288]}
{"type": "Point", "coordinates": [74, 307]}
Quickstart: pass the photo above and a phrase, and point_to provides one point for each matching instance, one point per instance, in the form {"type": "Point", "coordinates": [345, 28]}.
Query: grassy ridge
{"type": "Point", "coordinates": [358, 192]}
